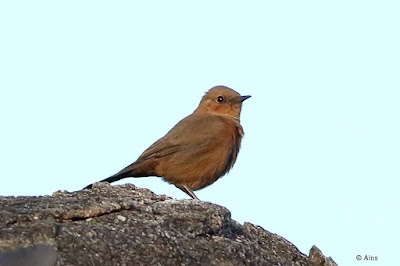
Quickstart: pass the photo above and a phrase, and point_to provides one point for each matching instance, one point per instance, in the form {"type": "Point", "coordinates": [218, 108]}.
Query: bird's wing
{"type": "Point", "coordinates": [194, 130]}
{"type": "Point", "coordinates": [193, 137]}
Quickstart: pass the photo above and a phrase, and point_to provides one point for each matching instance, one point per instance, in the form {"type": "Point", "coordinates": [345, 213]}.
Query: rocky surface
{"type": "Point", "coordinates": [125, 225]}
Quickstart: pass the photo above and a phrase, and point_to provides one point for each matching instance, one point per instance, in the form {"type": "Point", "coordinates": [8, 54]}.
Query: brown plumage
{"type": "Point", "coordinates": [198, 150]}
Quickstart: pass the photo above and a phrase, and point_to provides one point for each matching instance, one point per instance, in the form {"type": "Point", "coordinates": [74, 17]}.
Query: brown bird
{"type": "Point", "coordinates": [198, 150]}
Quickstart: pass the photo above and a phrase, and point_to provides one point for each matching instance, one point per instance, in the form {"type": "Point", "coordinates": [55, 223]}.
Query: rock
{"type": "Point", "coordinates": [35, 255]}
{"type": "Point", "coordinates": [126, 225]}
{"type": "Point", "coordinates": [316, 258]}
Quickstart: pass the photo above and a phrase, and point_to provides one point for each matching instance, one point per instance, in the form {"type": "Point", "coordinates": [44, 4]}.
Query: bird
{"type": "Point", "coordinates": [199, 149]}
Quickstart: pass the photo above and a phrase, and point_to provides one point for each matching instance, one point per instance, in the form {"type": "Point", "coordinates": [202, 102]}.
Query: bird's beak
{"type": "Point", "coordinates": [242, 98]}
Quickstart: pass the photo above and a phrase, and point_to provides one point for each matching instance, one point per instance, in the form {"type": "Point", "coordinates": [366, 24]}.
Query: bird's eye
{"type": "Point", "coordinates": [220, 99]}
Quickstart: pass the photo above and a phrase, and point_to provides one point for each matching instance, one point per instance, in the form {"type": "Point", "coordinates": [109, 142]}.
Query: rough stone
{"type": "Point", "coordinates": [126, 225]}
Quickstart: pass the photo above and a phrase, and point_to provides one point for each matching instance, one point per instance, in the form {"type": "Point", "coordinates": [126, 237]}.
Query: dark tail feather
{"type": "Point", "coordinates": [136, 169]}
{"type": "Point", "coordinates": [110, 179]}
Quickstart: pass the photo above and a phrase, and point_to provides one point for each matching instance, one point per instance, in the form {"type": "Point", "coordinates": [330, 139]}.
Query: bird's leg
{"type": "Point", "coordinates": [188, 191]}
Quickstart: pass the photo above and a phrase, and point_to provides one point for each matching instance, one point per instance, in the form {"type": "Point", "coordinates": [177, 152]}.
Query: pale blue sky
{"type": "Point", "coordinates": [86, 86]}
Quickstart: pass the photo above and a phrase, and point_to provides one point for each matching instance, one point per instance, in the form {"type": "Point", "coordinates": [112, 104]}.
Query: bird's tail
{"type": "Point", "coordinates": [136, 169]}
{"type": "Point", "coordinates": [110, 179]}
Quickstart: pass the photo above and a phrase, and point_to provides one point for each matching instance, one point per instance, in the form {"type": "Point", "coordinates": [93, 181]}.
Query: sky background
{"type": "Point", "coordinates": [87, 86]}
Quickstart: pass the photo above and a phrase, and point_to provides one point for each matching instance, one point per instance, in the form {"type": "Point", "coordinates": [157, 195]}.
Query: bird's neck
{"type": "Point", "coordinates": [230, 114]}
{"type": "Point", "coordinates": [231, 117]}
{"type": "Point", "coordinates": [236, 118]}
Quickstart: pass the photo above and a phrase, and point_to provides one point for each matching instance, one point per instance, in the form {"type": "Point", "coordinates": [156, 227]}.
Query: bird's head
{"type": "Point", "coordinates": [221, 100]}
